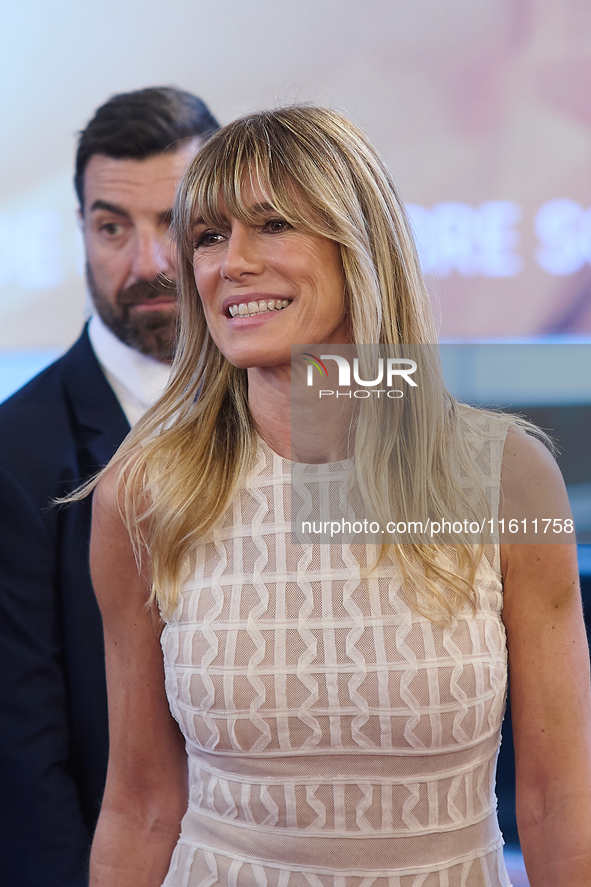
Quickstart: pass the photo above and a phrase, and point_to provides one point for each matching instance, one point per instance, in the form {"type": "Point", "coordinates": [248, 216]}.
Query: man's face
{"type": "Point", "coordinates": [126, 216]}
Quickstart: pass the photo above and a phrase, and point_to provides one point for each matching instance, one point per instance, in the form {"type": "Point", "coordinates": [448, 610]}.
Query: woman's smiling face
{"type": "Point", "coordinates": [267, 286]}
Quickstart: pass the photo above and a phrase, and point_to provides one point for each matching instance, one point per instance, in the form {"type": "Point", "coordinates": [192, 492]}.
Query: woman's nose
{"type": "Point", "coordinates": [242, 255]}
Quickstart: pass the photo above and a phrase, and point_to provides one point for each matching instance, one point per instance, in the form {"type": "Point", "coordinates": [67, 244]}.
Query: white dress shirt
{"type": "Point", "coordinates": [136, 379]}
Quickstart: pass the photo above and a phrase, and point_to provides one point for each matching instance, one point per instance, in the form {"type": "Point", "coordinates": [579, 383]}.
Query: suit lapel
{"type": "Point", "coordinates": [97, 412]}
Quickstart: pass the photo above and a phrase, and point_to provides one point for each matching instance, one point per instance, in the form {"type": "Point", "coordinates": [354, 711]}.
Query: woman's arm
{"type": "Point", "coordinates": [146, 791]}
{"type": "Point", "coordinates": [549, 676]}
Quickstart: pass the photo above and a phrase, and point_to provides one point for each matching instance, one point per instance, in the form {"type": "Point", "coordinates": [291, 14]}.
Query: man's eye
{"type": "Point", "coordinates": [111, 229]}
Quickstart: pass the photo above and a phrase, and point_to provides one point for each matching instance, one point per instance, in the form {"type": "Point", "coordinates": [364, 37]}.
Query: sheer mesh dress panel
{"type": "Point", "coordinates": [336, 738]}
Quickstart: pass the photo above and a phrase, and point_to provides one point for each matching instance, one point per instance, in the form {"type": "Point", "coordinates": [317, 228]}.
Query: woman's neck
{"type": "Point", "coordinates": [295, 426]}
{"type": "Point", "coordinates": [269, 399]}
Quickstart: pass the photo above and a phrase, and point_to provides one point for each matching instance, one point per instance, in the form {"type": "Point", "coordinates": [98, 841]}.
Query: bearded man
{"type": "Point", "coordinates": [56, 432]}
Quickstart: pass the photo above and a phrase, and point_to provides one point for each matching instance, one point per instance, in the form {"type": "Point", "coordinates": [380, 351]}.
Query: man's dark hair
{"type": "Point", "coordinates": [136, 125]}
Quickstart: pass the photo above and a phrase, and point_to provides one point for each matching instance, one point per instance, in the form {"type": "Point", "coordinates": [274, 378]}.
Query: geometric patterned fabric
{"type": "Point", "coordinates": [336, 738]}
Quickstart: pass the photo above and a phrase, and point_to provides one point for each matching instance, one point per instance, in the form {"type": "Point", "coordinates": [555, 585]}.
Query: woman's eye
{"type": "Point", "coordinates": [208, 238]}
{"type": "Point", "coordinates": [276, 225]}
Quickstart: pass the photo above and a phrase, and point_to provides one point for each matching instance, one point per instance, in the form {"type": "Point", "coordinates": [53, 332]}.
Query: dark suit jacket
{"type": "Point", "coordinates": [55, 432]}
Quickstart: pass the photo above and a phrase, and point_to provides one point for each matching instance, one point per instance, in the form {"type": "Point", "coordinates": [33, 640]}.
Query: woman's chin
{"type": "Point", "coordinates": [264, 365]}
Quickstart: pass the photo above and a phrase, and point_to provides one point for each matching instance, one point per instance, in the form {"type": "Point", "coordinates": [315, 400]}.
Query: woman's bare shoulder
{"type": "Point", "coordinates": [119, 564]}
{"type": "Point", "coordinates": [531, 482]}
{"type": "Point", "coordinates": [120, 493]}
{"type": "Point", "coordinates": [107, 493]}
{"type": "Point", "coordinates": [521, 446]}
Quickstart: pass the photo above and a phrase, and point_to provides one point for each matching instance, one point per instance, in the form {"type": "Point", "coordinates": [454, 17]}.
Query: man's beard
{"type": "Point", "coordinates": [150, 332]}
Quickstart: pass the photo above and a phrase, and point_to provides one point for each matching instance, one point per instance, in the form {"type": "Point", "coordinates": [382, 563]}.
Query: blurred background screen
{"type": "Point", "coordinates": [481, 108]}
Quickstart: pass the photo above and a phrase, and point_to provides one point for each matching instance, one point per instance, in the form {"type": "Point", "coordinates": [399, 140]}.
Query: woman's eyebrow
{"type": "Point", "coordinates": [262, 208]}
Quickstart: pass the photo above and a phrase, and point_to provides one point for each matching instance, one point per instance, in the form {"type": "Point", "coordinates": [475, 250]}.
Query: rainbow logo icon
{"type": "Point", "coordinates": [314, 362]}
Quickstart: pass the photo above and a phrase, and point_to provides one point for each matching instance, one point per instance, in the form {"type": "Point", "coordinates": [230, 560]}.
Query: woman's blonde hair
{"type": "Point", "coordinates": [181, 466]}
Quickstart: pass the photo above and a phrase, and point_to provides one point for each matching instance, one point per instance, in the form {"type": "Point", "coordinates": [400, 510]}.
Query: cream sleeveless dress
{"type": "Point", "coordinates": [335, 737]}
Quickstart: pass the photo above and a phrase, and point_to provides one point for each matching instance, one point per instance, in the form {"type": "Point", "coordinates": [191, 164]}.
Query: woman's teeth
{"type": "Point", "coordinates": [247, 308]}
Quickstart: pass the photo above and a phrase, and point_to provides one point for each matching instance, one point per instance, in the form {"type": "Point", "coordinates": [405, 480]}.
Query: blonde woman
{"type": "Point", "coordinates": [323, 714]}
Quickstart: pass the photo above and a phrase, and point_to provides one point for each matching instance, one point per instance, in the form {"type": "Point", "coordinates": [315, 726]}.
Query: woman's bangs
{"type": "Point", "coordinates": [228, 187]}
